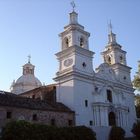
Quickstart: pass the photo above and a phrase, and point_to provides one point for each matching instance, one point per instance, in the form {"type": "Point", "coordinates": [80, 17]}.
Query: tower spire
{"type": "Point", "coordinates": [111, 36]}
{"type": "Point", "coordinates": [29, 58]}
{"type": "Point", "coordinates": [110, 27]}
{"type": "Point", "coordinates": [73, 14]}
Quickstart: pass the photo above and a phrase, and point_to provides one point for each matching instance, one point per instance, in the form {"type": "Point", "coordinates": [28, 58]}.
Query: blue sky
{"type": "Point", "coordinates": [32, 27]}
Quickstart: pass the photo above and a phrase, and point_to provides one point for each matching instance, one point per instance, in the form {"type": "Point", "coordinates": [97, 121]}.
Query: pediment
{"type": "Point", "coordinates": [104, 71]}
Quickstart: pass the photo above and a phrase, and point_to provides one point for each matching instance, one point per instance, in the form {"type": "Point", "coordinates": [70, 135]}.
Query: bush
{"type": "Point", "coordinates": [136, 130]}
{"type": "Point", "coordinates": [77, 133]}
{"type": "Point", "coordinates": [116, 133]}
{"type": "Point", "coordinates": [22, 130]}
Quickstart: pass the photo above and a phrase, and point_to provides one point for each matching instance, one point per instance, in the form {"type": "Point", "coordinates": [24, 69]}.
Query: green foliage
{"type": "Point", "coordinates": [136, 130]}
{"type": "Point", "coordinates": [136, 82]}
{"type": "Point", "coordinates": [138, 111]}
{"type": "Point", "coordinates": [77, 133]}
{"type": "Point", "coordinates": [116, 133]}
{"type": "Point", "coordinates": [137, 101]}
{"type": "Point", "coordinates": [22, 130]}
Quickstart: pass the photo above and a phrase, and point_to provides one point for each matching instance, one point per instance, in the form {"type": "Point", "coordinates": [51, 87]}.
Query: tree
{"type": "Point", "coordinates": [136, 84]}
{"type": "Point", "coordinates": [136, 81]}
{"type": "Point", "coordinates": [137, 103]}
{"type": "Point", "coordinates": [136, 130]}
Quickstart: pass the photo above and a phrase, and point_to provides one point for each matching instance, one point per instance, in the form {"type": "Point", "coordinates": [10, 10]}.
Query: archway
{"type": "Point", "coordinates": [109, 95]}
{"type": "Point", "coordinates": [112, 119]}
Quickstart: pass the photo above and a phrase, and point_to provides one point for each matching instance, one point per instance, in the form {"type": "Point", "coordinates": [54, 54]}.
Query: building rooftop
{"type": "Point", "coordinates": [12, 100]}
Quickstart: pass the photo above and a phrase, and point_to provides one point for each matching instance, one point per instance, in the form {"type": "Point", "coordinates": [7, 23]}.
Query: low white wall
{"type": "Point", "coordinates": [102, 132]}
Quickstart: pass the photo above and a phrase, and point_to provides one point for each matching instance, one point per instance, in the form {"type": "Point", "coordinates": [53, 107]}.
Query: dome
{"type": "Point", "coordinates": [27, 81]}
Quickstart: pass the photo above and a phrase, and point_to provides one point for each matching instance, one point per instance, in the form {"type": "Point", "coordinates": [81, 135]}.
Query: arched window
{"type": "Point", "coordinates": [121, 59]}
{"type": "Point", "coordinates": [81, 42]}
{"type": "Point", "coordinates": [66, 42]}
{"type": "Point", "coordinates": [86, 103]}
{"type": "Point", "coordinates": [112, 119]}
{"type": "Point", "coordinates": [109, 60]}
{"type": "Point", "coordinates": [109, 95]}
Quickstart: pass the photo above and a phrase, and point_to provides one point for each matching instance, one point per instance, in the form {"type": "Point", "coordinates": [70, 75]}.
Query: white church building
{"type": "Point", "coordinates": [100, 98]}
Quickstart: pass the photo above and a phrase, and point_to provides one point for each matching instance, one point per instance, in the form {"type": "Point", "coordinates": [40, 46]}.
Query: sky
{"type": "Point", "coordinates": [31, 27]}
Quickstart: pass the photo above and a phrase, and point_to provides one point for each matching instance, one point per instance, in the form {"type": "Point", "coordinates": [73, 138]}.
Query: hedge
{"type": "Point", "coordinates": [22, 130]}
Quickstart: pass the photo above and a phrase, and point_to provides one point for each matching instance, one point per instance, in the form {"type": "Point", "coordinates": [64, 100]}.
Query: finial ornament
{"type": "Point", "coordinates": [110, 27]}
{"type": "Point", "coordinates": [112, 36]}
{"type": "Point", "coordinates": [73, 5]}
{"type": "Point", "coordinates": [29, 58]}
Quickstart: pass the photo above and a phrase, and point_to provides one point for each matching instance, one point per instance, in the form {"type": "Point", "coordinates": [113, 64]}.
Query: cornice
{"type": "Point", "coordinates": [115, 84]}
{"type": "Point", "coordinates": [92, 78]}
{"type": "Point", "coordinates": [74, 75]}
{"type": "Point", "coordinates": [74, 49]}
{"type": "Point", "coordinates": [110, 105]}
{"type": "Point", "coordinates": [113, 48]}
{"type": "Point", "coordinates": [120, 66]}
{"type": "Point", "coordinates": [74, 27]}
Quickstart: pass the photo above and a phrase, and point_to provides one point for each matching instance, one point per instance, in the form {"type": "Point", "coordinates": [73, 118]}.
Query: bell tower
{"type": "Point", "coordinates": [74, 34]}
{"type": "Point", "coordinates": [75, 54]}
{"type": "Point", "coordinates": [116, 58]}
{"type": "Point", "coordinates": [75, 73]}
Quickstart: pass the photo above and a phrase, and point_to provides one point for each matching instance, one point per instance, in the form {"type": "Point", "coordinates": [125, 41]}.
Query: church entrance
{"type": "Point", "coordinates": [112, 119]}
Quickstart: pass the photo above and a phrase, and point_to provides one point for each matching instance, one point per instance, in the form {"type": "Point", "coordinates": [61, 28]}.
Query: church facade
{"type": "Point", "coordinates": [100, 98]}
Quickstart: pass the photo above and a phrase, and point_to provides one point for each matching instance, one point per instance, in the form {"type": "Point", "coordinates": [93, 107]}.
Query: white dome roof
{"type": "Point", "coordinates": [25, 83]}
{"type": "Point", "coordinates": [28, 80]}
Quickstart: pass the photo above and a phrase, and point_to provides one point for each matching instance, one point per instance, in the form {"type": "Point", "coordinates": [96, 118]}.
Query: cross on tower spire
{"type": "Point", "coordinates": [73, 5]}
